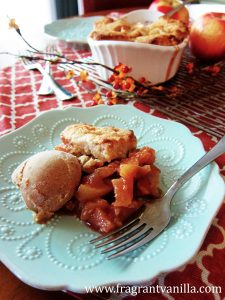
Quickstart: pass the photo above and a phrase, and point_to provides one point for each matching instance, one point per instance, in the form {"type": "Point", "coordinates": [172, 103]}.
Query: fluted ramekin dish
{"type": "Point", "coordinates": [156, 63]}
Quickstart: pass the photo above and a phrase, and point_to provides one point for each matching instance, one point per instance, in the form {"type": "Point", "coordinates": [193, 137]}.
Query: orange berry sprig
{"type": "Point", "coordinates": [97, 99]}
{"type": "Point", "coordinates": [83, 75]}
{"type": "Point", "coordinates": [110, 98]}
{"type": "Point", "coordinates": [124, 87]}
{"type": "Point", "coordinates": [121, 81]}
{"type": "Point", "coordinates": [213, 69]}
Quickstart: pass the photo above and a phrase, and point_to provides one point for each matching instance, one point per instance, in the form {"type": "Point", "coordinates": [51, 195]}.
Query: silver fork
{"type": "Point", "coordinates": [156, 215]}
{"type": "Point", "coordinates": [60, 92]}
{"type": "Point", "coordinates": [45, 89]}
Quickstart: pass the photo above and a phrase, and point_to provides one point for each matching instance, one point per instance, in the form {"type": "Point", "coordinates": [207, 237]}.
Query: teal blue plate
{"type": "Point", "coordinates": [71, 30]}
{"type": "Point", "coordinates": [58, 256]}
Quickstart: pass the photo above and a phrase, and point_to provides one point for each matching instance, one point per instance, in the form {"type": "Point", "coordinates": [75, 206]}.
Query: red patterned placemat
{"type": "Point", "coordinates": [19, 103]}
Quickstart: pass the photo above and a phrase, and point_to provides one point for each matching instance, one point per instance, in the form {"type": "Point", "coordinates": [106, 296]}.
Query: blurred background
{"type": "Point", "coordinates": [31, 16]}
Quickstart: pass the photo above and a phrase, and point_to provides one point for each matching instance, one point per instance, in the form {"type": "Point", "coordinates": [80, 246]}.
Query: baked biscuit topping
{"type": "Point", "coordinates": [95, 146]}
{"type": "Point", "coordinates": [165, 31]}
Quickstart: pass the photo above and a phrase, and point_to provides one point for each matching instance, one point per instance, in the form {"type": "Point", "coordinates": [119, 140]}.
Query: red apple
{"type": "Point", "coordinates": [164, 6]}
{"type": "Point", "coordinates": [207, 37]}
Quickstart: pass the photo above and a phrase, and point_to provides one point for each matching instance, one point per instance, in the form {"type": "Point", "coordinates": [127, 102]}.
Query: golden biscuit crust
{"type": "Point", "coordinates": [165, 31]}
{"type": "Point", "coordinates": [95, 146]}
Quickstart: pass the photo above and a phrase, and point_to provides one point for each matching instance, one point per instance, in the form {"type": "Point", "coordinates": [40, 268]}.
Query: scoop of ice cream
{"type": "Point", "coordinates": [47, 180]}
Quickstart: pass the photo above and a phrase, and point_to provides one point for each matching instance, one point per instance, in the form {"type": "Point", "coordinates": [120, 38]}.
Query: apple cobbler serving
{"type": "Point", "coordinates": [95, 146]}
{"type": "Point", "coordinates": [164, 31]}
{"type": "Point", "coordinates": [108, 177]}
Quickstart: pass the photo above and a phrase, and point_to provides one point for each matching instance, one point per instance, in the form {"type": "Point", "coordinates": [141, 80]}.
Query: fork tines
{"type": "Point", "coordinates": [124, 239]}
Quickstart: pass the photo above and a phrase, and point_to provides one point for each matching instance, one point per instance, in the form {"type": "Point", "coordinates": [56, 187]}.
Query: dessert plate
{"type": "Point", "coordinates": [74, 29]}
{"type": "Point", "coordinates": [58, 256]}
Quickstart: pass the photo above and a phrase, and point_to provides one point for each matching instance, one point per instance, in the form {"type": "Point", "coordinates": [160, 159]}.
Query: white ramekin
{"type": "Point", "coordinates": [156, 63]}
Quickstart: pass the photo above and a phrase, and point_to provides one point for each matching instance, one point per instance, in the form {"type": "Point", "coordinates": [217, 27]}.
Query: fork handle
{"type": "Point", "coordinates": [210, 156]}
{"type": "Point", "coordinates": [60, 92]}
{"type": "Point", "coordinates": [45, 89]}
